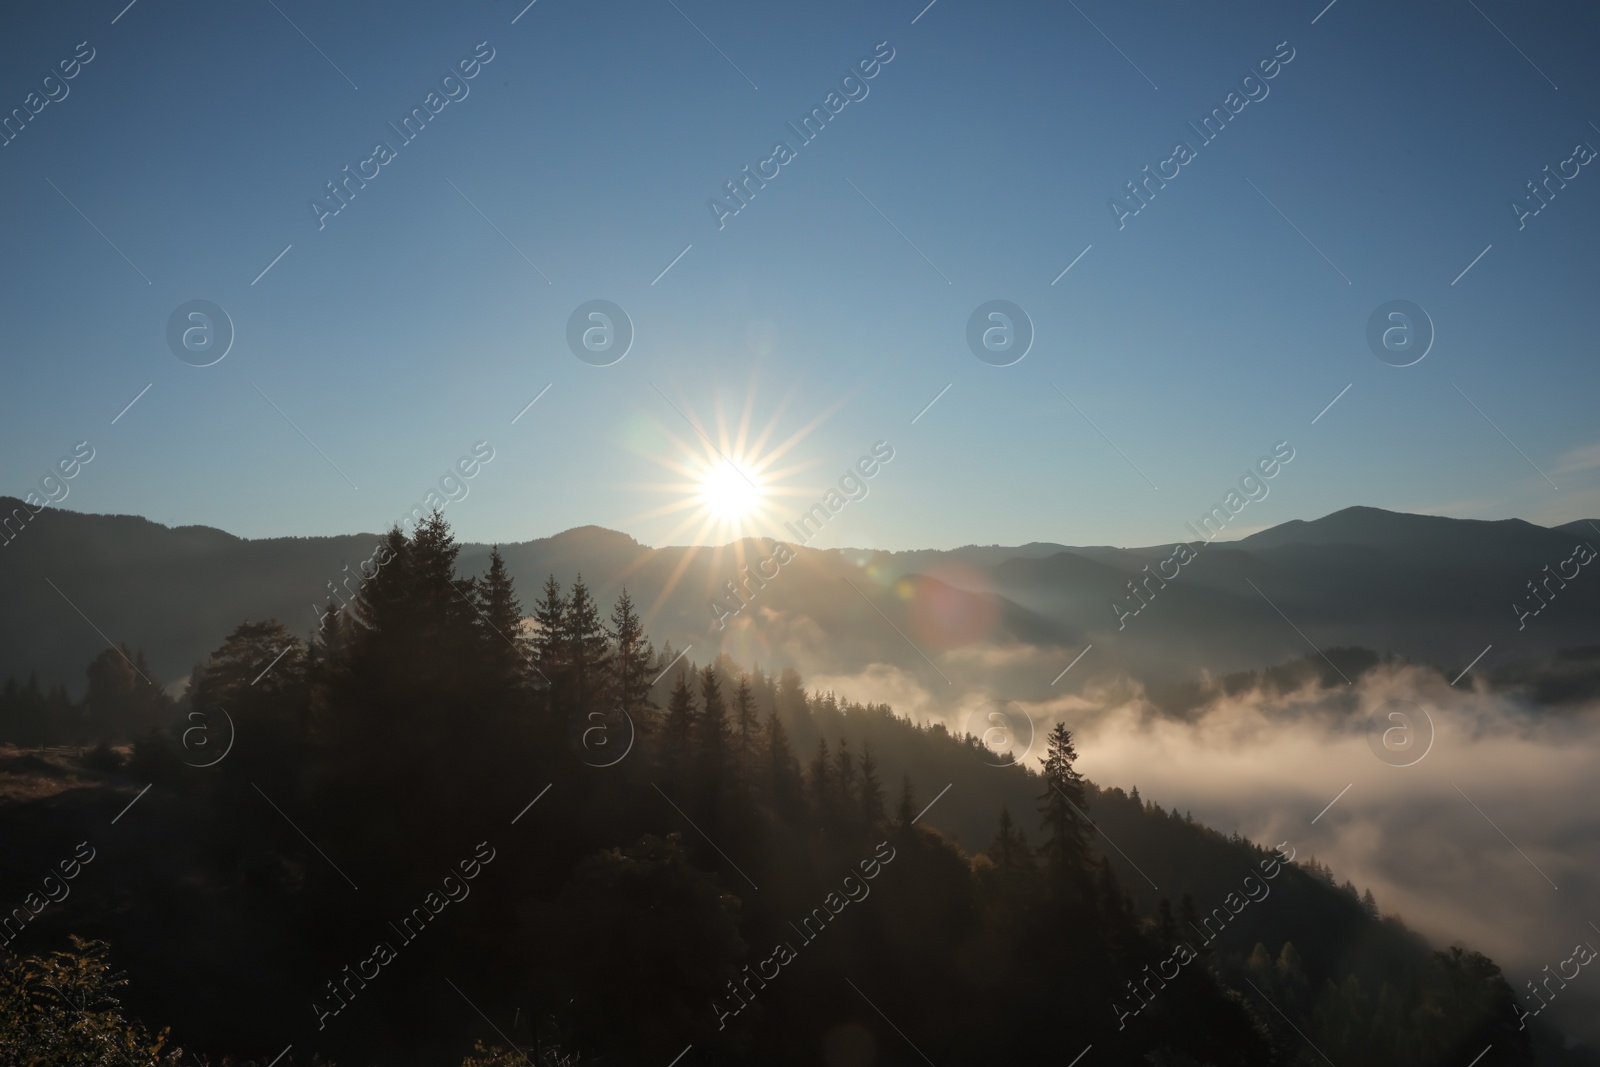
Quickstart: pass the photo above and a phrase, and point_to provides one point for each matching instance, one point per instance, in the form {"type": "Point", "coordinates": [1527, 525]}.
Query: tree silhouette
{"type": "Point", "coordinates": [1062, 806]}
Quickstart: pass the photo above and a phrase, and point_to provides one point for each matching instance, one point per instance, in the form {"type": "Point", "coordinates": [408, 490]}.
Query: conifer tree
{"type": "Point", "coordinates": [1066, 846]}
{"type": "Point", "coordinates": [908, 806]}
{"type": "Point", "coordinates": [680, 725]}
{"type": "Point", "coordinates": [588, 650]}
{"type": "Point", "coordinates": [746, 720]}
{"type": "Point", "coordinates": [713, 721]}
{"type": "Point", "coordinates": [766, 690]}
{"type": "Point", "coordinates": [788, 795]}
{"type": "Point", "coordinates": [1166, 924]}
{"type": "Point", "coordinates": [846, 807]}
{"type": "Point", "coordinates": [550, 650]}
{"type": "Point", "coordinates": [822, 783]}
{"type": "Point", "coordinates": [507, 652]}
{"type": "Point", "coordinates": [631, 663]}
{"type": "Point", "coordinates": [440, 604]}
{"type": "Point", "coordinates": [871, 789]}
{"type": "Point", "coordinates": [1009, 850]}
{"type": "Point", "coordinates": [1118, 923]}
{"type": "Point", "coordinates": [1189, 926]}
{"type": "Point", "coordinates": [790, 698]}
{"type": "Point", "coordinates": [681, 710]}
{"type": "Point", "coordinates": [712, 743]}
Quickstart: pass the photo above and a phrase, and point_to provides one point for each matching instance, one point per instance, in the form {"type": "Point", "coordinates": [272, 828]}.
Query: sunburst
{"type": "Point", "coordinates": [725, 481]}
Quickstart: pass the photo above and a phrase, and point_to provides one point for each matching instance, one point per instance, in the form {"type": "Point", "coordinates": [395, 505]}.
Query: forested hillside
{"type": "Point", "coordinates": [436, 825]}
{"type": "Point", "coordinates": [1417, 586]}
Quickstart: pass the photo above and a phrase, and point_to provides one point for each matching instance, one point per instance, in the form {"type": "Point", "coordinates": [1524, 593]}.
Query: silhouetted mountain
{"type": "Point", "coordinates": [1584, 529]}
{"type": "Point", "coordinates": [1424, 587]}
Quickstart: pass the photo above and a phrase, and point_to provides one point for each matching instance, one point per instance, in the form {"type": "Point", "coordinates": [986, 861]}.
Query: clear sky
{"type": "Point", "coordinates": [424, 316]}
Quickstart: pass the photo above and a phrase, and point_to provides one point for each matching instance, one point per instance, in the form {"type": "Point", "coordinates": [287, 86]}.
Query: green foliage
{"type": "Point", "coordinates": [62, 1010]}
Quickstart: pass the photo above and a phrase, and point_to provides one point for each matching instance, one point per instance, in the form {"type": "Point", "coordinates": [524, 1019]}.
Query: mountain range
{"type": "Point", "coordinates": [1427, 588]}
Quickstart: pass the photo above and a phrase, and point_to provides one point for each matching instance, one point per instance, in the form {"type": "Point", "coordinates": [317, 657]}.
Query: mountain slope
{"type": "Point", "coordinates": [1426, 587]}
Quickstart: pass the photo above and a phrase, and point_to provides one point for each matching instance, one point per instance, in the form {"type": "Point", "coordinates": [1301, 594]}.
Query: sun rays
{"type": "Point", "coordinates": [722, 480]}
{"type": "Point", "coordinates": [725, 480]}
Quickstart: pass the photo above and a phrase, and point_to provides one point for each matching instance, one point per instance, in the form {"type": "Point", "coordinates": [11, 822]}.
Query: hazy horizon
{"type": "Point", "coordinates": [1226, 536]}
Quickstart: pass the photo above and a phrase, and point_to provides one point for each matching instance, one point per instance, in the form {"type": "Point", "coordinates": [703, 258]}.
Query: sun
{"type": "Point", "coordinates": [727, 483]}
{"type": "Point", "coordinates": [725, 479]}
{"type": "Point", "coordinates": [729, 491]}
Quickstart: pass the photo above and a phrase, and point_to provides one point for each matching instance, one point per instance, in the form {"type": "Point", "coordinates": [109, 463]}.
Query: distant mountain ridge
{"type": "Point", "coordinates": [1427, 587]}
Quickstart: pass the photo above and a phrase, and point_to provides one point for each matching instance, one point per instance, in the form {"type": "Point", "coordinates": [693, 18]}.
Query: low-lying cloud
{"type": "Point", "coordinates": [1490, 838]}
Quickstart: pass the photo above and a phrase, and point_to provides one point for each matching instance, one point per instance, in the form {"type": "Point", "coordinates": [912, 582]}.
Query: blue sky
{"type": "Point", "coordinates": [1207, 329]}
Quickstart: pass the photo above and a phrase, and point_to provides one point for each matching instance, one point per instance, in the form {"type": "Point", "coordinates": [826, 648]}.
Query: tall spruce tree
{"type": "Point", "coordinates": [907, 812]}
{"type": "Point", "coordinates": [679, 729]}
{"type": "Point", "coordinates": [870, 789]}
{"type": "Point", "coordinates": [746, 719]}
{"type": "Point", "coordinates": [846, 806]}
{"type": "Point", "coordinates": [1009, 850]}
{"type": "Point", "coordinates": [549, 641]}
{"type": "Point", "coordinates": [631, 668]}
{"type": "Point", "coordinates": [783, 771]}
{"type": "Point", "coordinates": [588, 651]}
{"type": "Point", "coordinates": [1062, 808]}
{"type": "Point", "coordinates": [712, 737]}
{"type": "Point", "coordinates": [824, 798]}
{"type": "Point", "coordinates": [507, 652]}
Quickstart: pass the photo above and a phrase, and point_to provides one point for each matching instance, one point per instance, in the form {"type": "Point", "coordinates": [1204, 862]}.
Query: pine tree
{"type": "Point", "coordinates": [506, 650]}
{"type": "Point", "coordinates": [822, 785]}
{"type": "Point", "coordinates": [631, 664]}
{"type": "Point", "coordinates": [378, 600]}
{"type": "Point", "coordinates": [790, 698]}
{"type": "Point", "coordinates": [788, 795]}
{"type": "Point", "coordinates": [746, 721]}
{"type": "Point", "coordinates": [588, 650]}
{"type": "Point", "coordinates": [680, 725]}
{"type": "Point", "coordinates": [1166, 925]}
{"type": "Point", "coordinates": [712, 743]}
{"type": "Point", "coordinates": [441, 613]}
{"type": "Point", "coordinates": [680, 710]}
{"type": "Point", "coordinates": [766, 691]}
{"type": "Point", "coordinates": [1189, 926]}
{"type": "Point", "coordinates": [908, 806]}
{"type": "Point", "coordinates": [844, 780]}
{"type": "Point", "coordinates": [1291, 977]}
{"type": "Point", "coordinates": [713, 722]}
{"type": "Point", "coordinates": [1118, 923]}
{"type": "Point", "coordinates": [871, 789]}
{"type": "Point", "coordinates": [1009, 850]}
{"type": "Point", "coordinates": [550, 652]}
{"type": "Point", "coordinates": [1066, 847]}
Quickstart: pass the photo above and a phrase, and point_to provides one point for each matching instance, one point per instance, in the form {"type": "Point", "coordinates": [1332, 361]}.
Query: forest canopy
{"type": "Point", "coordinates": [448, 825]}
